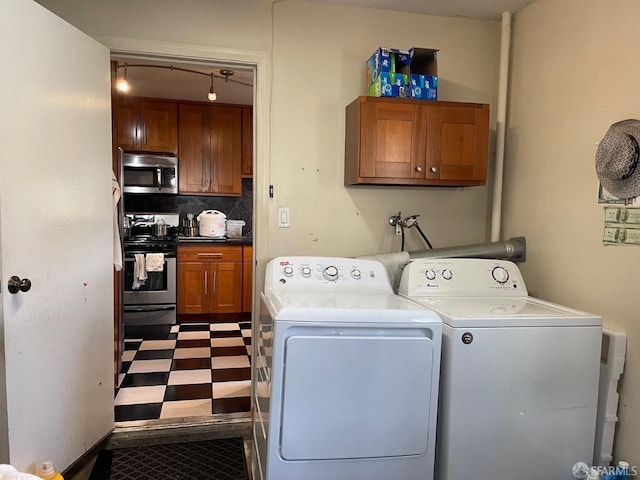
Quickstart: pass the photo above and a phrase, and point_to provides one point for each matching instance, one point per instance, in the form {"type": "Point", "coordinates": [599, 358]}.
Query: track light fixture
{"type": "Point", "coordinates": [212, 94]}
{"type": "Point", "coordinates": [123, 85]}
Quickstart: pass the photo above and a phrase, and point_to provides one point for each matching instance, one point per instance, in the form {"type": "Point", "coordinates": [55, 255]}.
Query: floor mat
{"type": "Point", "coordinates": [221, 459]}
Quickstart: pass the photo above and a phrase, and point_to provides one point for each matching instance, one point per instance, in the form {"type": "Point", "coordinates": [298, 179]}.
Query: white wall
{"type": "Point", "coordinates": [574, 72]}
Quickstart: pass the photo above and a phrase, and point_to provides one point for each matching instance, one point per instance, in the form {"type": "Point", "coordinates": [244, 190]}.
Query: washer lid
{"type": "Point", "coordinates": [340, 307]}
{"type": "Point", "coordinates": [506, 312]}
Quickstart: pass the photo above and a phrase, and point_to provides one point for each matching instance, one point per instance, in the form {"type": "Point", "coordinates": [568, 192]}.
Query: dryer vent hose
{"type": "Point", "coordinates": [513, 249]}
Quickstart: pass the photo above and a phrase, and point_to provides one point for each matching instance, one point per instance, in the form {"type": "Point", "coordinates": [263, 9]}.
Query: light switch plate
{"type": "Point", "coordinates": [283, 217]}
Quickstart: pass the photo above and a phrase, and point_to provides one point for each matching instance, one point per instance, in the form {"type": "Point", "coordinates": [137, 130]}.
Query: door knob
{"type": "Point", "coordinates": [16, 285]}
{"type": "Point", "coordinates": [434, 169]}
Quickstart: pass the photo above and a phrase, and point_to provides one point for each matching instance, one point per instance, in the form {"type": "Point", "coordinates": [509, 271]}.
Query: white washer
{"type": "Point", "coordinates": [347, 375]}
{"type": "Point", "coordinates": [519, 376]}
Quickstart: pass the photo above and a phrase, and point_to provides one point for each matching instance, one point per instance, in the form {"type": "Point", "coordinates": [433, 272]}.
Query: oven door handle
{"type": "Point", "coordinates": [149, 309]}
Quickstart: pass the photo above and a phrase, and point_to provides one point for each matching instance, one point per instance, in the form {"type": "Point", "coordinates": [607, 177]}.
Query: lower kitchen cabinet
{"type": "Point", "coordinates": [210, 279]}
{"type": "Point", "coordinates": [247, 278]}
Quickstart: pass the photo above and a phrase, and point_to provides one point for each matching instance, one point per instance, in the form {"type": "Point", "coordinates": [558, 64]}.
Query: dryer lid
{"type": "Point", "coordinates": [350, 307]}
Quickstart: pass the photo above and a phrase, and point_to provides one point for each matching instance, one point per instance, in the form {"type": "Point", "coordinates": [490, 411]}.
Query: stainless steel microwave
{"type": "Point", "coordinates": [148, 173]}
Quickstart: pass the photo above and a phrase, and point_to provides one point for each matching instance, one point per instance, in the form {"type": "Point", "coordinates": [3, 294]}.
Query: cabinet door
{"type": "Point", "coordinates": [159, 122]}
{"type": "Point", "coordinates": [193, 287]}
{"type": "Point", "coordinates": [392, 140]}
{"type": "Point", "coordinates": [128, 122]}
{"type": "Point", "coordinates": [247, 141]}
{"type": "Point", "coordinates": [226, 149]}
{"type": "Point", "coordinates": [147, 125]}
{"type": "Point", "coordinates": [457, 143]}
{"type": "Point", "coordinates": [247, 278]}
{"type": "Point", "coordinates": [194, 147]}
{"type": "Point", "coordinates": [226, 287]}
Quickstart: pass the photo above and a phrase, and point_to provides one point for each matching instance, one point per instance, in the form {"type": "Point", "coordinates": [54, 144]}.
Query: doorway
{"type": "Point", "coordinates": [166, 376]}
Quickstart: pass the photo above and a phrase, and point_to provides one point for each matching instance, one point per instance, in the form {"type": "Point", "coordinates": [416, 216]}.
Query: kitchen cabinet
{"type": "Point", "coordinates": [210, 148]}
{"type": "Point", "coordinates": [247, 278]}
{"type": "Point", "coordinates": [209, 279]}
{"type": "Point", "coordinates": [247, 141]}
{"type": "Point", "coordinates": [393, 141]}
{"type": "Point", "coordinates": [147, 125]}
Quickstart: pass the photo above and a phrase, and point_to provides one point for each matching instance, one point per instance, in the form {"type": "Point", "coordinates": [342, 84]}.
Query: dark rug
{"type": "Point", "coordinates": [221, 459]}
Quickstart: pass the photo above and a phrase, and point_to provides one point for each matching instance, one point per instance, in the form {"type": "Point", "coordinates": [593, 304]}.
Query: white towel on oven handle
{"type": "Point", "coordinates": [154, 262]}
{"type": "Point", "coordinates": [139, 271]}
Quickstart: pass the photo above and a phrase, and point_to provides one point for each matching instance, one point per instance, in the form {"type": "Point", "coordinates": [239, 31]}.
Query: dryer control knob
{"type": "Point", "coordinates": [430, 274]}
{"type": "Point", "coordinates": [306, 272]}
{"type": "Point", "coordinates": [356, 274]}
{"type": "Point", "coordinates": [330, 273]}
{"type": "Point", "coordinates": [288, 271]}
{"type": "Point", "coordinates": [500, 274]}
{"type": "Point", "coordinates": [447, 274]}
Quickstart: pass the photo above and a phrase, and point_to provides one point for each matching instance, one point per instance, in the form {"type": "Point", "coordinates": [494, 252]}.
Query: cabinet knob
{"type": "Point", "coordinates": [418, 168]}
{"type": "Point", "coordinates": [434, 169]}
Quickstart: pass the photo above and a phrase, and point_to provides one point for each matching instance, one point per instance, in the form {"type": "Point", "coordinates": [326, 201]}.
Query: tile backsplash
{"type": "Point", "coordinates": [235, 208]}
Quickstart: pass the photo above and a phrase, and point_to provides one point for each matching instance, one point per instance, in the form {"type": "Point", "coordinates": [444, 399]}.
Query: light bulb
{"type": "Point", "coordinates": [212, 94]}
{"type": "Point", "coordinates": [123, 85]}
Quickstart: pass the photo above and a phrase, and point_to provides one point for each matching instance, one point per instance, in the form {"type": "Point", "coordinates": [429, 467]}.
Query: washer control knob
{"type": "Point", "coordinates": [306, 272]}
{"type": "Point", "coordinates": [430, 274]}
{"type": "Point", "coordinates": [288, 271]}
{"type": "Point", "coordinates": [447, 274]}
{"type": "Point", "coordinates": [500, 274]}
{"type": "Point", "coordinates": [330, 273]}
{"type": "Point", "coordinates": [355, 273]}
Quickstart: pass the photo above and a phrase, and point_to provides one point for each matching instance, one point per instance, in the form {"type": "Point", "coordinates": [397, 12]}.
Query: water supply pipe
{"type": "Point", "coordinates": [503, 86]}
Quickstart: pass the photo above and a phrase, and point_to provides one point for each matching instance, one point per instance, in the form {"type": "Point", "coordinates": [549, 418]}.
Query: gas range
{"type": "Point", "coordinates": [150, 299]}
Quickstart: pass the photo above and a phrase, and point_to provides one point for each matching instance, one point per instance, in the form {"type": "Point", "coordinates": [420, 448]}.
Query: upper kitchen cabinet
{"type": "Point", "coordinates": [247, 141]}
{"type": "Point", "coordinates": [147, 125]}
{"type": "Point", "coordinates": [392, 141]}
{"type": "Point", "coordinates": [210, 150]}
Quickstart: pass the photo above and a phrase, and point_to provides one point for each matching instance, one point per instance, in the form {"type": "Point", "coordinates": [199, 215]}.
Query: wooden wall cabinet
{"type": "Point", "coordinates": [247, 278]}
{"type": "Point", "coordinates": [210, 279]}
{"type": "Point", "coordinates": [210, 146]}
{"type": "Point", "coordinates": [392, 141]}
{"type": "Point", "coordinates": [147, 125]}
{"type": "Point", "coordinates": [247, 141]}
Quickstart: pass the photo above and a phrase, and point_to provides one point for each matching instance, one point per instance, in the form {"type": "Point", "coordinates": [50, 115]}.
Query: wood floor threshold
{"type": "Point", "coordinates": [180, 430]}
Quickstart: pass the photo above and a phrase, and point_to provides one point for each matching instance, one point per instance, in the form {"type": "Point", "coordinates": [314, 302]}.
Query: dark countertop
{"type": "Point", "coordinates": [217, 241]}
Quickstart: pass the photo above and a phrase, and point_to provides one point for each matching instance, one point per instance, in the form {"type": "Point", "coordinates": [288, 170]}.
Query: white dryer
{"type": "Point", "coordinates": [346, 375]}
{"type": "Point", "coordinates": [519, 377]}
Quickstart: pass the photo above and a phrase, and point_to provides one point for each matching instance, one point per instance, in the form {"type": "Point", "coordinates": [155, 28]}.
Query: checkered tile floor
{"type": "Point", "coordinates": [185, 370]}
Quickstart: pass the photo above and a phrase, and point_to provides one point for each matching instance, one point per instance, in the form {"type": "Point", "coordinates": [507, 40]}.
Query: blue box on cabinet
{"type": "Point", "coordinates": [423, 74]}
{"type": "Point", "coordinates": [389, 84]}
{"type": "Point", "coordinates": [424, 87]}
{"type": "Point", "coordinates": [387, 73]}
{"type": "Point", "coordinates": [392, 72]}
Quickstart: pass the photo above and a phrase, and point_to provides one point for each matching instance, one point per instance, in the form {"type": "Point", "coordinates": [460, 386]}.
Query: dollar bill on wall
{"type": "Point", "coordinates": [621, 225]}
